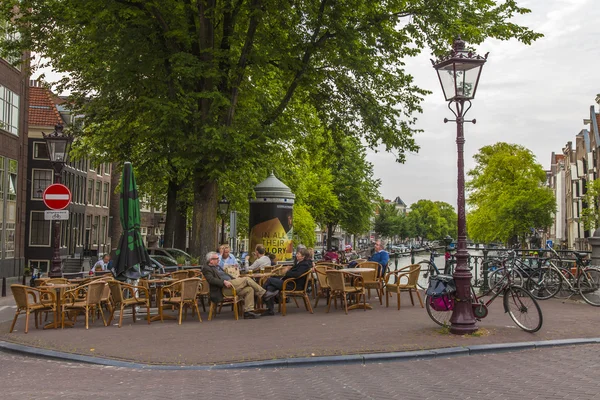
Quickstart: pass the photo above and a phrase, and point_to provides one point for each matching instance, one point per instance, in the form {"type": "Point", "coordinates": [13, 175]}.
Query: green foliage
{"type": "Point", "coordinates": [389, 220]}
{"type": "Point", "coordinates": [507, 194]}
{"type": "Point", "coordinates": [432, 220]}
{"type": "Point", "coordinates": [304, 226]}
{"type": "Point", "coordinates": [190, 90]}
{"type": "Point", "coordinates": [590, 215]}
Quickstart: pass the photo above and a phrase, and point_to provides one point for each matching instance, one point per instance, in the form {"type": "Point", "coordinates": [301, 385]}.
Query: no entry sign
{"type": "Point", "coordinates": [57, 196]}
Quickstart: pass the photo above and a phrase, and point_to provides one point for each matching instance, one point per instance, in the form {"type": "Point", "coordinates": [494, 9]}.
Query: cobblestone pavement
{"type": "Point", "coordinates": [550, 373]}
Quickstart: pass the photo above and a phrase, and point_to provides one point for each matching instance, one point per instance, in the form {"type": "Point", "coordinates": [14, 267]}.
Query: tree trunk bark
{"type": "Point", "coordinates": [204, 222]}
{"type": "Point", "coordinates": [172, 215]}
{"type": "Point", "coordinates": [181, 225]}
{"type": "Point", "coordinates": [114, 211]}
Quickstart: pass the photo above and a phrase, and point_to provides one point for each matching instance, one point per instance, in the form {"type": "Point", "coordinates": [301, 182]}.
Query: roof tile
{"type": "Point", "coordinates": [42, 111]}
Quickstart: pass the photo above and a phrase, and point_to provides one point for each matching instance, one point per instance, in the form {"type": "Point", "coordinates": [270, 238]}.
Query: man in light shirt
{"type": "Point", "coordinates": [262, 260]}
{"type": "Point", "coordinates": [226, 258]}
{"type": "Point", "coordinates": [102, 264]}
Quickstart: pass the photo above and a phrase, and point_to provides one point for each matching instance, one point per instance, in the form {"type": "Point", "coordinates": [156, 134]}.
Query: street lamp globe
{"type": "Point", "coordinates": [459, 72]}
{"type": "Point", "coordinates": [223, 206]}
{"type": "Point", "coordinates": [58, 145]}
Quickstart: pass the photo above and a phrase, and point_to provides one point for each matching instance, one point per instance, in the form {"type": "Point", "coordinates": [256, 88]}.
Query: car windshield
{"type": "Point", "coordinates": [166, 261]}
{"type": "Point", "coordinates": [178, 253]}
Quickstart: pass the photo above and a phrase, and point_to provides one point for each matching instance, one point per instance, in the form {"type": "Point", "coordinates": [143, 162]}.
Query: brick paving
{"type": "Point", "coordinates": [299, 334]}
{"type": "Point", "coordinates": [548, 374]}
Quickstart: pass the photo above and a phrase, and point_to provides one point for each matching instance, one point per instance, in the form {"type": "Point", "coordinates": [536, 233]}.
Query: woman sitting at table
{"type": "Point", "coordinates": [275, 283]}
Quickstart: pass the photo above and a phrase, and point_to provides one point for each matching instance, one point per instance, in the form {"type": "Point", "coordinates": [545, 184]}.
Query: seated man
{"type": "Point", "coordinates": [381, 256]}
{"type": "Point", "coordinates": [275, 283]}
{"type": "Point", "coordinates": [102, 264]}
{"type": "Point", "coordinates": [226, 258]}
{"type": "Point", "coordinates": [245, 287]}
{"type": "Point", "coordinates": [262, 260]}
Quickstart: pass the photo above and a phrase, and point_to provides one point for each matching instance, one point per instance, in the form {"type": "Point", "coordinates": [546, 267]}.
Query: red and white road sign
{"type": "Point", "coordinates": [57, 196]}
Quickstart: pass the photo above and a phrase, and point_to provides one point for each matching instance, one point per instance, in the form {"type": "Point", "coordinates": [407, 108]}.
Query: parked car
{"type": "Point", "coordinates": [399, 248]}
{"type": "Point", "coordinates": [164, 264]}
{"type": "Point", "coordinates": [170, 252]}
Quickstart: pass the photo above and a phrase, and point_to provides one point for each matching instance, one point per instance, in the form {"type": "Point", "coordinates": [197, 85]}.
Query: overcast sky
{"type": "Point", "coordinates": [536, 96]}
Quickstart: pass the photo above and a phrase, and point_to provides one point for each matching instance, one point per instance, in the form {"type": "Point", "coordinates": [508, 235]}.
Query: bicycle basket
{"type": "Point", "coordinates": [442, 303]}
{"type": "Point", "coordinates": [441, 285]}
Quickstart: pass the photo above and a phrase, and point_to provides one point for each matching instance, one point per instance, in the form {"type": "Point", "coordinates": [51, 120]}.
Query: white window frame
{"type": "Point", "coordinates": [32, 180]}
{"type": "Point", "coordinates": [34, 152]}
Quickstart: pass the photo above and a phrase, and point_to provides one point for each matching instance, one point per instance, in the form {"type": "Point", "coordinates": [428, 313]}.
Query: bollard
{"type": "Point", "coordinates": [412, 255]}
{"type": "Point", "coordinates": [23, 280]}
{"type": "Point", "coordinates": [3, 286]}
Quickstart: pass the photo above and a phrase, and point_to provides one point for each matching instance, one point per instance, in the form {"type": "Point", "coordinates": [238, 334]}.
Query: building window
{"type": "Point", "coordinates": [39, 265]}
{"type": "Point", "coordinates": [105, 195]}
{"type": "Point", "coordinates": [14, 57]}
{"type": "Point", "coordinates": [103, 230]}
{"type": "Point", "coordinates": [107, 169]}
{"type": "Point", "coordinates": [99, 169]}
{"type": "Point", "coordinates": [9, 111]}
{"type": "Point", "coordinates": [90, 191]}
{"type": "Point", "coordinates": [40, 180]}
{"type": "Point", "coordinates": [98, 186]}
{"type": "Point", "coordinates": [39, 230]}
{"type": "Point", "coordinates": [40, 151]}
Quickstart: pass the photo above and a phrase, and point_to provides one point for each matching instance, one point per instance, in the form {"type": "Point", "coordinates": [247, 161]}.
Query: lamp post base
{"type": "Point", "coordinates": [462, 320]}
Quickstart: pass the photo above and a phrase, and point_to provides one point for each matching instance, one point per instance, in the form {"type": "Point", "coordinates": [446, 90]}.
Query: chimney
{"type": "Point", "coordinates": [598, 99]}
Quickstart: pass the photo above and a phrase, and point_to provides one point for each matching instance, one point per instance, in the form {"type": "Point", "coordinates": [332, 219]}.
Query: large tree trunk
{"type": "Point", "coordinates": [204, 222]}
{"type": "Point", "coordinates": [171, 218]}
{"type": "Point", "coordinates": [114, 211]}
{"type": "Point", "coordinates": [181, 225]}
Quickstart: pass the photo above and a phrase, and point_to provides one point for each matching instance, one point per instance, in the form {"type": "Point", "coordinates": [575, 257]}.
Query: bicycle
{"type": "Point", "coordinates": [429, 269]}
{"type": "Point", "coordinates": [520, 305]}
{"type": "Point", "coordinates": [585, 281]}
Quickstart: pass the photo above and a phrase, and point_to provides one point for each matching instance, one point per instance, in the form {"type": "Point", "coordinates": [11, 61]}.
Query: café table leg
{"type": "Point", "coordinates": [160, 307]}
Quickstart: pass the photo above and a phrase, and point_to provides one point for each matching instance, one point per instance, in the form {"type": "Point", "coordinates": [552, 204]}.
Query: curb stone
{"type": "Point", "coordinates": [300, 361]}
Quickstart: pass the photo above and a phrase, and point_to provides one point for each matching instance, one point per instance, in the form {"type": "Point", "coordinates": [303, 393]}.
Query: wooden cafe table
{"type": "Point", "coordinates": [367, 306]}
{"type": "Point", "coordinates": [59, 290]}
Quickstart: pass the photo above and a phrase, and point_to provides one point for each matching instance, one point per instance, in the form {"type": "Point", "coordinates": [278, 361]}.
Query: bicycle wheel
{"type": "Point", "coordinates": [589, 286]}
{"type": "Point", "coordinates": [568, 283]}
{"type": "Point", "coordinates": [496, 279]}
{"type": "Point", "coordinates": [441, 318]}
{"type": "Point", "coordinates": [427, 270]}
{"type": "Point", "coordinates": [544, 283]}
{"type": "Point", "coordinates": [523, 309]}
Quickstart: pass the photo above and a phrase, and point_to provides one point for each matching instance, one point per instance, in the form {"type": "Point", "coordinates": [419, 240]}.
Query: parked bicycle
{"type": "Point", "coordinates": [520, 305]}
{"type": "Point", "coordinates": [429, 269]}
{"type": "Point", "coordinates": [553, 280]}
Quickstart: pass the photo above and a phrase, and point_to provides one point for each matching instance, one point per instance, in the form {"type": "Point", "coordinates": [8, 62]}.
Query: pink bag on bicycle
{"type": "Point", "coordinates": [442, 303]}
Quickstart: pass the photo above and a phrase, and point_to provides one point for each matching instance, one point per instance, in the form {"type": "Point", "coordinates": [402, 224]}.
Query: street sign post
{"type": "Point", "coordinates": [52, 215]}
{"type": "Point", "coordinates": [57, 196]}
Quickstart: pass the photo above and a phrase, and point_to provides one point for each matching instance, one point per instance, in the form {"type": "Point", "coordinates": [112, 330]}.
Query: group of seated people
{"type": "Point", "coordinates": [219, 275]}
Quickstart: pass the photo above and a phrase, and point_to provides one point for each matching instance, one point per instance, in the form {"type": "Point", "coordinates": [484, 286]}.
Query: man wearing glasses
{"type": "Point", "coordinates": [245, 287]}
{"type": "Point", "coordinates": [381, 256]}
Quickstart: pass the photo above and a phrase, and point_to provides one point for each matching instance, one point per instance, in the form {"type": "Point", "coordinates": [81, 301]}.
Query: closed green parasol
{"type": "Point", "coordinates": [132, 259]}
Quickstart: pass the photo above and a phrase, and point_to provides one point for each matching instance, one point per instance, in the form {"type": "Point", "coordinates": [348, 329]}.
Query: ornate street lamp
{"type": "Point", "coordinates": [58, 144]}
{"type": "Point", "coordinates": [223, 210]}
{"type": "Point", "coordinates": [459, 73]}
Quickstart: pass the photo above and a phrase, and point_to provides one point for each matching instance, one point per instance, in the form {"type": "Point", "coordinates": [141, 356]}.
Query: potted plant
{"type": "Point", "coordinates": [194, 261]}
{"type": "Point", "coordinates": [180, 261]}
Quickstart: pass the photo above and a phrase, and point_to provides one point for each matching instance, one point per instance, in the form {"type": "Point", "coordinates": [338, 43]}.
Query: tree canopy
{"type": "Point", "coordinates": [432, 220]}
{"type": "Point", "coordinates": [210, 86]}
{"type": "Point", "coordinates": [507, 195]}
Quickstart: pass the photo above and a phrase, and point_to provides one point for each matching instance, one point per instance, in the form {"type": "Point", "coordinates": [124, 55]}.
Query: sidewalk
{"type": "Point", "coordinates": [299, 334]}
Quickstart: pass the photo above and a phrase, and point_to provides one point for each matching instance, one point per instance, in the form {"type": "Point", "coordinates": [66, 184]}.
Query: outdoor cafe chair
{"type": "Point", "coordinates": [408, 284]}
{"type": "Point", "coordinates": [30, 299]}
{"type": "Point", "coordinates": [179, 275]}
{"type": "Point", "coordinates": [183, 294]}
{"type": "Point", "coordinates": [289, 289]}
{"type": "Point", "coordinates": [204, 293]}
{"type": "Point", "coordinates": [230, 298]}
{"type": "Point", "coordinates": [126, 295]}
{"type": "Point", "coordinates": [323, 286]}
{"type": "Point", "coordinates": [339, 288]}
{"type": "Point", "coordinates": [373, 280]}
{"type": "Point", "coordinates": [84, 298]}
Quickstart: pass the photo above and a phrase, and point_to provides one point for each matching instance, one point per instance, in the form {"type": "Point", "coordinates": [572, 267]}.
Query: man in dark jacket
{"type": "Point", "coordinates": [275, 284]}
{"type": "Point", "coordinates": [217, 279]}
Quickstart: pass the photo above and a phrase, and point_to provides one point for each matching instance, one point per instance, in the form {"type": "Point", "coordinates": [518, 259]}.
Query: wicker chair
{"type": "Point", "coordinates": [373, 280]}
{"type": "Point", "coordinates": [179, 275]}
{"type": "Point", "coordinates": [295, 292]}
{"type": "Point", "coordinates": [228, 299]}
{"type": "Point", "coordinates": [204, 293]}
{"type": "Point", "coordinates": [185, 292]}
{"type": "Point", "coordinates": [92, 296]}
{"type": "Point", "coordinates": [122, 299]}
{"type": "Point", "coordinates": [338, 288]}
{"type": "Point", "coordinates": [27, 300]}
{"type": "Point", "coordinates": [323, 289]}
{"type": "Point", "coordinates": [412, 273]}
